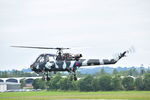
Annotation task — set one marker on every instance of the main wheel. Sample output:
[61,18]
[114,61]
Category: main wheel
[75,78]
[48,78]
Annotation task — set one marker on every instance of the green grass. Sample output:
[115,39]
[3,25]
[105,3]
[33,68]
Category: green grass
[47,95]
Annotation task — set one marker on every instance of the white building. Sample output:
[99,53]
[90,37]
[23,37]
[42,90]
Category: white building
[4,86]
[13,83]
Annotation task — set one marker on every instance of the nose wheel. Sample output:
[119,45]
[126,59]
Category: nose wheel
[48,78]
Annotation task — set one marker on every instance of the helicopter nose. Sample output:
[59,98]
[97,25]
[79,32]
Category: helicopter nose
[32,67]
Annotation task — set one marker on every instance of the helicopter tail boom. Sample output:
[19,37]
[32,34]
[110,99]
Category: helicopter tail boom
[91,62]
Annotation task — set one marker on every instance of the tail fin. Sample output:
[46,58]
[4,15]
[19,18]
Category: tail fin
[124,54]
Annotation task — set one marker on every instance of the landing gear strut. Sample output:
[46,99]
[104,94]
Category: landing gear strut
[46,77]
[73,76]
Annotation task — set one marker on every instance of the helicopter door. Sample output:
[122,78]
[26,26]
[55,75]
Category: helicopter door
[49,62]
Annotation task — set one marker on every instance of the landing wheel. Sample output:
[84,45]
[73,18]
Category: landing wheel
[48,78]
[75,77]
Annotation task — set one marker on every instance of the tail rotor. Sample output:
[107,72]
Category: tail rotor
[125,53]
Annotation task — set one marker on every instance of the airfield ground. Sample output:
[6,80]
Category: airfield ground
[75,95]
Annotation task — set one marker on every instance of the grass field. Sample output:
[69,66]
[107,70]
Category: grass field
[47,95]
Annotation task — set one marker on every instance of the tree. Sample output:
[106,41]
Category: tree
[22,81]
[142,71]
[115,71]
[139,84]
[105,82]
[63,84]
[116,83]
[95,84]
[148,70]
[86,83]
[74,85]
[128,83]
[5,74]
[146,81]
[102,71]
[67,84]
[39,84]
[130,72]
[35,84]
[53,84]
[133,72]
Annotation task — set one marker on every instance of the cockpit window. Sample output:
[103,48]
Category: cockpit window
[49,58]
[45,58]
[40,59]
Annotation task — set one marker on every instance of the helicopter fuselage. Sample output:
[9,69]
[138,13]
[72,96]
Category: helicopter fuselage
[48,63]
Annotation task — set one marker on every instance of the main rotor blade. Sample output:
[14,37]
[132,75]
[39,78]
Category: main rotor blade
[39,47]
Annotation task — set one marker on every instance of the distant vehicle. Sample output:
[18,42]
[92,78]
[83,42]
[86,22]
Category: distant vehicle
[60,61]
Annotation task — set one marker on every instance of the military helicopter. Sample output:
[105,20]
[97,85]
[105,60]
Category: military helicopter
[60,61]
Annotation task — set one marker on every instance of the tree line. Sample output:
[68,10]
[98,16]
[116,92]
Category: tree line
[132,72]
[131,79]
[16,73]
[103,82]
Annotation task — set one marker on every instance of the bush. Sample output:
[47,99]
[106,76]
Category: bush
[146,81]
[86,83]
[105,83]
[128,83]
[39,84]
[139,84]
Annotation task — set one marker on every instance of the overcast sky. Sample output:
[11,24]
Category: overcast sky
[95,28]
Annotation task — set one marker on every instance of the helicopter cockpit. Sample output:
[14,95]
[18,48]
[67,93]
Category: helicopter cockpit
[43,59]
[40,59]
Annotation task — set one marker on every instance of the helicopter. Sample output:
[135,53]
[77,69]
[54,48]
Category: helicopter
[46,63]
